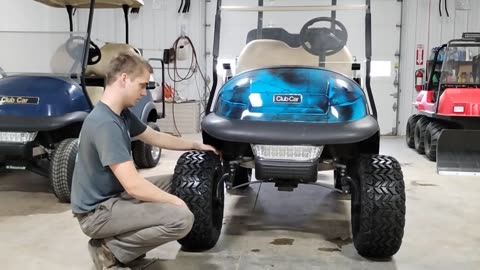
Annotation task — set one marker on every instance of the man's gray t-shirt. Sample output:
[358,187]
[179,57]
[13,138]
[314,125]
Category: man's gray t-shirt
[104,140]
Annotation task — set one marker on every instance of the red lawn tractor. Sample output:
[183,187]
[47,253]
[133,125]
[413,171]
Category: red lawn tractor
[447,126]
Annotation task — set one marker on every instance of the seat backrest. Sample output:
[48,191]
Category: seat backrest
[271,53]
[109,51]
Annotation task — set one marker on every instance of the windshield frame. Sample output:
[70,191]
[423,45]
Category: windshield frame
[261,8]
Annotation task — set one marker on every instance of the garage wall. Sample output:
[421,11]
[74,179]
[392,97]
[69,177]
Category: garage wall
[27,15]
[154,28]
[423,25]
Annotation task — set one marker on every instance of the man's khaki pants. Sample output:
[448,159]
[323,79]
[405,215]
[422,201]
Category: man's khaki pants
[131,228]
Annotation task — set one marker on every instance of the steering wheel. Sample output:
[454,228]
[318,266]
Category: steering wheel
[75,43]
[325,40]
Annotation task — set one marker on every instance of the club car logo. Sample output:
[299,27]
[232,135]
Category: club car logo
[4,100]
[291,99]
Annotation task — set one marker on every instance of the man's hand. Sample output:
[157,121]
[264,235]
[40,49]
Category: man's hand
[205,147]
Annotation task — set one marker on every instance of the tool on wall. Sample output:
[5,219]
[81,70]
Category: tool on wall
[184,6]
[440,7]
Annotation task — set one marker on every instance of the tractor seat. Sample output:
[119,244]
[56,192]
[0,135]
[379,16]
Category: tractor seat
[98,71]
[270,53]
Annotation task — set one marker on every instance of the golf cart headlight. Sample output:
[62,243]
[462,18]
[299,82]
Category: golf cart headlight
[287,152]
[458,108]
[17,137]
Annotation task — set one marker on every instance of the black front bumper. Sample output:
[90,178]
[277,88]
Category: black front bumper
[16,151]
[39,123]
[286,170]
[289,133]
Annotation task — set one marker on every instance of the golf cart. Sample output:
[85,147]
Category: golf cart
[294,106]
[48,89]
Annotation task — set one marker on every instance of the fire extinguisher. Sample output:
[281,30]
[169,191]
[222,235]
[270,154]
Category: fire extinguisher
[419,79]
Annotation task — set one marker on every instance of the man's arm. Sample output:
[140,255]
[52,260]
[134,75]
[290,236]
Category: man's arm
[140,188]
[166,141]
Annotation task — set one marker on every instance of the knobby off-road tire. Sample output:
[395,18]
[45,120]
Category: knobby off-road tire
[61,169]
[378,220]
[143,154]
[419,134]
[195,181]
[410,130]
[432,134]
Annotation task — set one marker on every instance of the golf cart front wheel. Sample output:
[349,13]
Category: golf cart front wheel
[61,169]
[378,206]
[196,181]
[145,155]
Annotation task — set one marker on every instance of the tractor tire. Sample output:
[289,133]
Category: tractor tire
[195,181]
[144,155]
[432,134]
[410,130]
[61,169]
[242,176]
[419,134]
[378,206]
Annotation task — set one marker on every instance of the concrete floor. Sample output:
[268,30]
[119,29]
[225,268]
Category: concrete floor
[305,229]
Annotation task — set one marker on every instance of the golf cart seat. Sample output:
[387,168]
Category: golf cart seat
[98,71]
[268,53]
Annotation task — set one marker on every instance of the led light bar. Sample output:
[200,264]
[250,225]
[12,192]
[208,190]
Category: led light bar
[287,152]
[17,137]
[471,35]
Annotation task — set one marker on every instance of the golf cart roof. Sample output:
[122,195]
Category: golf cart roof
[98,3]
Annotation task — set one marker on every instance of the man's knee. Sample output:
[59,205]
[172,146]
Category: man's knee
[184,223]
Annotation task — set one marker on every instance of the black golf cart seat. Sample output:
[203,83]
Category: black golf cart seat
[277,47]
[96,74]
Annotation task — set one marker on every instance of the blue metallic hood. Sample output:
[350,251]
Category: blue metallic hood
[26,95]
[293,94]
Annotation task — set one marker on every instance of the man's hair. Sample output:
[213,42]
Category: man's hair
[127,62]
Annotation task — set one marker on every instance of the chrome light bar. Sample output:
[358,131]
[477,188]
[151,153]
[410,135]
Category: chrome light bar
[287,152]
[17,137]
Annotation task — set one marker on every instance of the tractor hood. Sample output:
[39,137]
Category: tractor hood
[40,96]
[293,94]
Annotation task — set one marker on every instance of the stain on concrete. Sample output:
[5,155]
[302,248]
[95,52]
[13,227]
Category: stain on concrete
[282,242]
[255,250]
[340,242]
[330,249]
[415,183]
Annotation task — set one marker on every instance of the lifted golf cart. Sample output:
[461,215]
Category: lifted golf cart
[45,98]
[295,106]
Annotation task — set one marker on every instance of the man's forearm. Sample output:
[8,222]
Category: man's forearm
[144,190]
[166,141]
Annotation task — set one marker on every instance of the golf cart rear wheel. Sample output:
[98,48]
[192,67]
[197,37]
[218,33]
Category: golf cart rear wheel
[419,134]
[378,206]
[432,134]
[195,181]
[410,130]
[61,169]
[145,155]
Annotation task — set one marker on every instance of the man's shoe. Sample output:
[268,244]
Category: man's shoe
[101,255]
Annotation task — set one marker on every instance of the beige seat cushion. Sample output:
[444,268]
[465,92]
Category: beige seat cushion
[270,53]
[95,94]
[109,51]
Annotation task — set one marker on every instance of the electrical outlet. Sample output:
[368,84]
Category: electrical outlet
[462,4]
